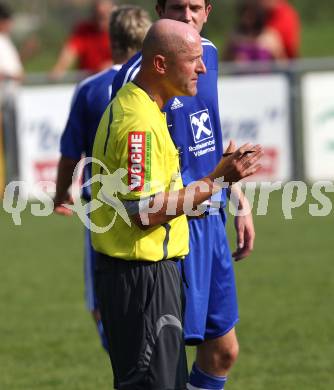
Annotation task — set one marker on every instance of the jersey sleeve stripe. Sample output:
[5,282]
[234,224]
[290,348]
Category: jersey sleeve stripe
[108,130]
[134,74]
[208,44]
[127,77]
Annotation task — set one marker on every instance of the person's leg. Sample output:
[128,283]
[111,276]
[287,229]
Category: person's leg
[214,360]
[90,294]
[217,356]
[141,309]
[99,326]
[218,352]
[197,273]
[10,135]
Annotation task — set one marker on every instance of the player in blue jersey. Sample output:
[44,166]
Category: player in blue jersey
[128,27]
[194,124]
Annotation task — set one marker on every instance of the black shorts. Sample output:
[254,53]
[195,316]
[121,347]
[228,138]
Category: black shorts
[142,306]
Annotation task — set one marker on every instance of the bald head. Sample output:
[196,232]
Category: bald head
[172,61]
[169,38]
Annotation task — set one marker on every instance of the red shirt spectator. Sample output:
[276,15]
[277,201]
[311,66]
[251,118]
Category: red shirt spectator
[92,46]
[88,46]
[283,18]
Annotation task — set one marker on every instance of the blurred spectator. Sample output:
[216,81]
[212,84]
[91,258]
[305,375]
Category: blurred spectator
[252,41]
[11,72]
[10,63]
[284,19]
[88,46]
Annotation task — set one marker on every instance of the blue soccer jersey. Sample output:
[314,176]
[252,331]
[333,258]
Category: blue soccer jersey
[89,102]
[194,124]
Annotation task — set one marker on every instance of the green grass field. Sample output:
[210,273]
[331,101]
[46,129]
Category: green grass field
[286,292]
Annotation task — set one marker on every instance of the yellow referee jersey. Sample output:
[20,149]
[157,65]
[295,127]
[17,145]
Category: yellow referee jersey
[133,141]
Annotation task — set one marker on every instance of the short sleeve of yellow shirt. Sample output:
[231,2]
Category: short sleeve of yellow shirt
[133,136]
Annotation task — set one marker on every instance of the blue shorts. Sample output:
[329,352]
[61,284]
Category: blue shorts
[211,297]
[89,269]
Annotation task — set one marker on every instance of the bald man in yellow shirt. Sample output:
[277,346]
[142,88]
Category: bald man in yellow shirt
[139,287]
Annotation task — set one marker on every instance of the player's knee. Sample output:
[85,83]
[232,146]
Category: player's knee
[232,353]
[227,355]
[217,356]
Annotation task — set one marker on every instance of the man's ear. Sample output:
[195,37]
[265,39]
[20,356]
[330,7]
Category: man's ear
[159,10]
[207,11]
[160,65]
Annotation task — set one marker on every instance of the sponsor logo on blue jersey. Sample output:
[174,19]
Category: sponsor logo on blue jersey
[201,126]
[176,104]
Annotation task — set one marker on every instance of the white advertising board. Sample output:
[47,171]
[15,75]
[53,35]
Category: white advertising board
[256,109]
[253,109]
[318,124]
[42,115]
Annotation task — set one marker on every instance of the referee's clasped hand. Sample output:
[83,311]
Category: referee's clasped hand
[238,163]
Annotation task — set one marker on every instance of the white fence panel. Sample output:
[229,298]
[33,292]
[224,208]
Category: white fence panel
[257,109]
[42,115]
[318,125]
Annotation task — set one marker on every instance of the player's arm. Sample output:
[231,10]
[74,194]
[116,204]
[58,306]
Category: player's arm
[66,167]
[232,169]
[244,225]
[71,149]
[66,59]
[243,221]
